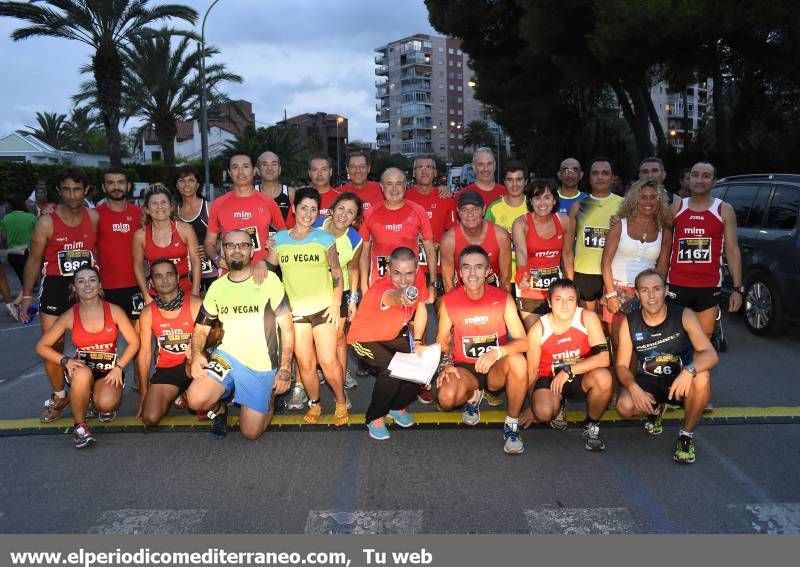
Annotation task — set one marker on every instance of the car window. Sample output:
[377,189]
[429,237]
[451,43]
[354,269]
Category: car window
[741,198]
[784,207]
[718,192]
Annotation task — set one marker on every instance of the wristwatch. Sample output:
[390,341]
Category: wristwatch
[568,369]
[611,295]
[690,368]
[740,289]
[63,361]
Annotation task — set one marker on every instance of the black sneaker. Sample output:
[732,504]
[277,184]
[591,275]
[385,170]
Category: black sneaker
[591,436]
[684,450]
[83,437]
[219,425]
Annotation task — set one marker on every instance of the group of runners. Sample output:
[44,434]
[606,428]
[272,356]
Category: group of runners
[530,287]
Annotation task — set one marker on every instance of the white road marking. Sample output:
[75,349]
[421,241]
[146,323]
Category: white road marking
[18,327]
[773,517]
[580,521]
[398,522]
[130,521]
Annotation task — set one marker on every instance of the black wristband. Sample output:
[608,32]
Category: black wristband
[63,361]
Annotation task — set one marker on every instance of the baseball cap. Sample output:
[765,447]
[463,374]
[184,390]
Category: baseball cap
[470,197]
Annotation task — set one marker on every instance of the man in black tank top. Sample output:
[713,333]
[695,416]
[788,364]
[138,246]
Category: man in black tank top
[673,359]
[269,171]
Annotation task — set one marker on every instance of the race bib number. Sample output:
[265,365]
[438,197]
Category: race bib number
[70,261]
[474,347]
[206,266]
[557,365]
[218,368]
[594,236]
[137,303]
[542,278]
[694,251]
[668,365]
[177,343]
[254,238]
[423,256]
[98,361]
[382,265]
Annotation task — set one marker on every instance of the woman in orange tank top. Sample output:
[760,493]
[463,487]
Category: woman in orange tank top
[96,371]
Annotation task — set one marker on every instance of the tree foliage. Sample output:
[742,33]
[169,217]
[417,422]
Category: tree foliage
[558,73]
[107,26]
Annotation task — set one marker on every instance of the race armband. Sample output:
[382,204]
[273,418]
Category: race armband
[205,318]
[597,349]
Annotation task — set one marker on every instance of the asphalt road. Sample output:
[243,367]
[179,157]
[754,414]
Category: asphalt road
[435,478]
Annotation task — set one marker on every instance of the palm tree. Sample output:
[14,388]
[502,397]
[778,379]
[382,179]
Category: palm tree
[104,25]
[477,134]
[51,129]
[161,86]
[81,127]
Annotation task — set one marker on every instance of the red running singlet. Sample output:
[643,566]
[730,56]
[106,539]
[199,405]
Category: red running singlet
[478,325]
[173,335]
[98,350]
[70,247]
[176,251]
[569,347]
[698,239]
[544,258]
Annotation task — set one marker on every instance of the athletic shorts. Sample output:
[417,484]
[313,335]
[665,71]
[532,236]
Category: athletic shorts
[96,375]
[128,298]
[314,319]
[658,386]
[172,375]
[536,306]
[570,390]
[54,295]
[590,286]
[250,388]
[483,379]
[695,298]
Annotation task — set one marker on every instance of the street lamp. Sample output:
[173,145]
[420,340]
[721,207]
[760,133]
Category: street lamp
[203,109]
[339,120]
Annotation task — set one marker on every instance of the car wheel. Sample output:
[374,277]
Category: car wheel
[763,313]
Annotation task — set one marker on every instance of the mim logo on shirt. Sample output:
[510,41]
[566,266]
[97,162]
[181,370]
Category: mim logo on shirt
[696,231]
[477,320]
[244,215]
[120,227]
[394,227]
[73,246]
[547,254]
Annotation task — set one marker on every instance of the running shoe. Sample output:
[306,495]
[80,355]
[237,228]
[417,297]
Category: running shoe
[299,398]
[472,411]
[559,422]
[181,402]
[684,450]
[513,445]
[91,411]
[652,423]
[494,399]
[83,437]
[219,425]
[13,311]
[349,381]
[106,416]
[347,399]
[53,408]
[377,430]
[592,439]
[402,418]
[425,395]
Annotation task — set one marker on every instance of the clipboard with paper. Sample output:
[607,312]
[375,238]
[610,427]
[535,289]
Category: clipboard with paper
[416,368]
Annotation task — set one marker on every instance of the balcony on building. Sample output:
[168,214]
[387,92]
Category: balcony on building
[382,70]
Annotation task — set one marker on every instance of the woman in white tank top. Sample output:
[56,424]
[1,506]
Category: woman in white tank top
[639,241]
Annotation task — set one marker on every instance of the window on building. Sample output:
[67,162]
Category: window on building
[459,76]
[460,112]
[784,208]
[450,87]
[458,63]
[458,52]
[460,99]
[450,63]
[459,88]
[441,50]
[450,50]
[452,111]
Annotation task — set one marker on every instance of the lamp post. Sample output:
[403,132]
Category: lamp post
[339,120]
[203,108]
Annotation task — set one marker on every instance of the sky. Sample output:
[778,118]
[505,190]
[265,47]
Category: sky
[294,55]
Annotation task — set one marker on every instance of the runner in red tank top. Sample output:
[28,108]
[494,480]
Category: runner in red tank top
[567,355]
[392,224]
[538,239]
[96,371]
[477,357]
[170,319]
[484,164]
[704,228]
[163,237]
[67,235]
[370,193]
[473,229]
[119,220]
